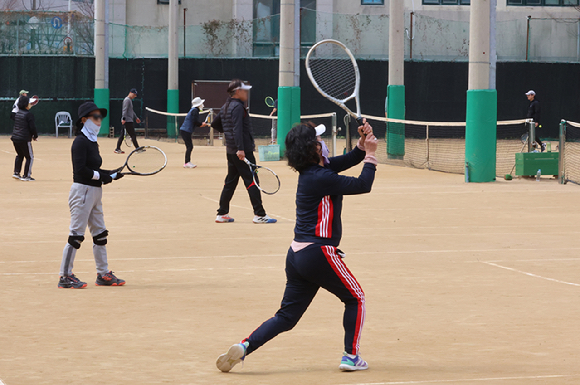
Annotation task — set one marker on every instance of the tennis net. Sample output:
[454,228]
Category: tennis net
[265,127]
[440,146]
[570,147]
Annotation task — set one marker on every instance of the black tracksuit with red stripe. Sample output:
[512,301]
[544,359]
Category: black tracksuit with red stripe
[318,222]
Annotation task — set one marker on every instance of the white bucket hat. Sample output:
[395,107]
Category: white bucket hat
[320,129]
[197,102]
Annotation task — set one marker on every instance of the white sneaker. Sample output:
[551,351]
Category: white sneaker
[234,356]
[189,165]
[224,219]
[264,219]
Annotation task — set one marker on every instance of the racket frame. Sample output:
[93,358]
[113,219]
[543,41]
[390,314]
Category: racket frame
[271,105]
[131,172]
[36,101]
[253,168]
[340,102]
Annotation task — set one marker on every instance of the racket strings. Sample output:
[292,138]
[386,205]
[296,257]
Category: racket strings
[333,71]
[267,180]
[146,160]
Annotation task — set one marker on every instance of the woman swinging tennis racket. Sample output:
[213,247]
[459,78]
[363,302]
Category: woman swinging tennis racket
[313,260]
[85,203]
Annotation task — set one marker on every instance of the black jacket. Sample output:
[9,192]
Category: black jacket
[534,111]
[24,127]
[237,128]
[86,159]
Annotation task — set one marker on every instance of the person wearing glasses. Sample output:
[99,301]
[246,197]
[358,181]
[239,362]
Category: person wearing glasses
[84,200]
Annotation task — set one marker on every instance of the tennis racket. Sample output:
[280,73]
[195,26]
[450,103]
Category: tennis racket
[128,140]
[333,71]
[266,179]
[144,161]
[270,102]
[34,100]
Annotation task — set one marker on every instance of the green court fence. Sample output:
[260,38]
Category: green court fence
[428,38]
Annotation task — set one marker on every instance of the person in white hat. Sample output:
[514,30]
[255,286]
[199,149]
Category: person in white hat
[189,124]
[534,112]
[15,108]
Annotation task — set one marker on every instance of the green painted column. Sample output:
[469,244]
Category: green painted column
[396,131]
[288,113]
[481,135]
[173,107]
[101,97]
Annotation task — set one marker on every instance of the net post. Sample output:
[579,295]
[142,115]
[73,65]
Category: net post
[427,143]
[146,124]
[531,135]
[211,133]
[561,155]
[334,133]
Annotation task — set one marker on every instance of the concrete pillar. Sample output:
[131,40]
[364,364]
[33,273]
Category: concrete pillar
[101,92]
[395,106]
[173,68]
[481,118]
[289,76]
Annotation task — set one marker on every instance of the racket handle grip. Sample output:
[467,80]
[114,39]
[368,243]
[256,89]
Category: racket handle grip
[359,120]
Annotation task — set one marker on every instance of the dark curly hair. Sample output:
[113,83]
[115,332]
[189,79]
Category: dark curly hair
[23,102]
[302,147]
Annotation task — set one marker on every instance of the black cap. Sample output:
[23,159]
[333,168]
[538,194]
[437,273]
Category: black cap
[86,108]
[134,90]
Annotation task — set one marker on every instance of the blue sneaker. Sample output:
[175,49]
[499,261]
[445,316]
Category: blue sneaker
[235,355]
[264,219]
[348,364]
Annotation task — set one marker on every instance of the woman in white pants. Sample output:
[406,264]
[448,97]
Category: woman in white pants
[84,200]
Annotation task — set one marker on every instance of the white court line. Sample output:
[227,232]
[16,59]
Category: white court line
[531,274]
[413,235]
[535,260]
[468,380]
[160,270]
[11,153]
[247,208]
[283,253]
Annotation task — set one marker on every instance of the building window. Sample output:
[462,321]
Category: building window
[165,1]
[372,2]
[544,3]
[267,26]
[447,2]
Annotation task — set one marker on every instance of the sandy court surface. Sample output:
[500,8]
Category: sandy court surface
[465,284]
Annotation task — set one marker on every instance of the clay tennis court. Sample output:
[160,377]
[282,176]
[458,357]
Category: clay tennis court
[465,283]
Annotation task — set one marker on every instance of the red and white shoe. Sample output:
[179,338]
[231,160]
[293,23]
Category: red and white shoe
[224,219]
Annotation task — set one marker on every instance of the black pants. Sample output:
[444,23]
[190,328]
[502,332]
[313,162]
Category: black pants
[23,151]
[188,144]
[238,168]
[308,270]
[129,129]
[538,136]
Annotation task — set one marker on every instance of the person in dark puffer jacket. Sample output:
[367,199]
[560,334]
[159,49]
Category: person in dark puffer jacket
[22,136]
[235,121]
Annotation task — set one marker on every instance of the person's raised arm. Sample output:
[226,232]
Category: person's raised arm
[347,185]
[354,157]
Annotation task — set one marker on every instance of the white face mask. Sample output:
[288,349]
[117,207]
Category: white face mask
[91,130]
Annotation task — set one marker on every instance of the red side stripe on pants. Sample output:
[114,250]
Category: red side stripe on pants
[353,287]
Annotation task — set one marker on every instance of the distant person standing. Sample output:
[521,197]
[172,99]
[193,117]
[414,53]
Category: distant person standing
[129,117]
[274,122]
[239,146]
[535,113]
[190,122]
[22,136]
[15,108]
